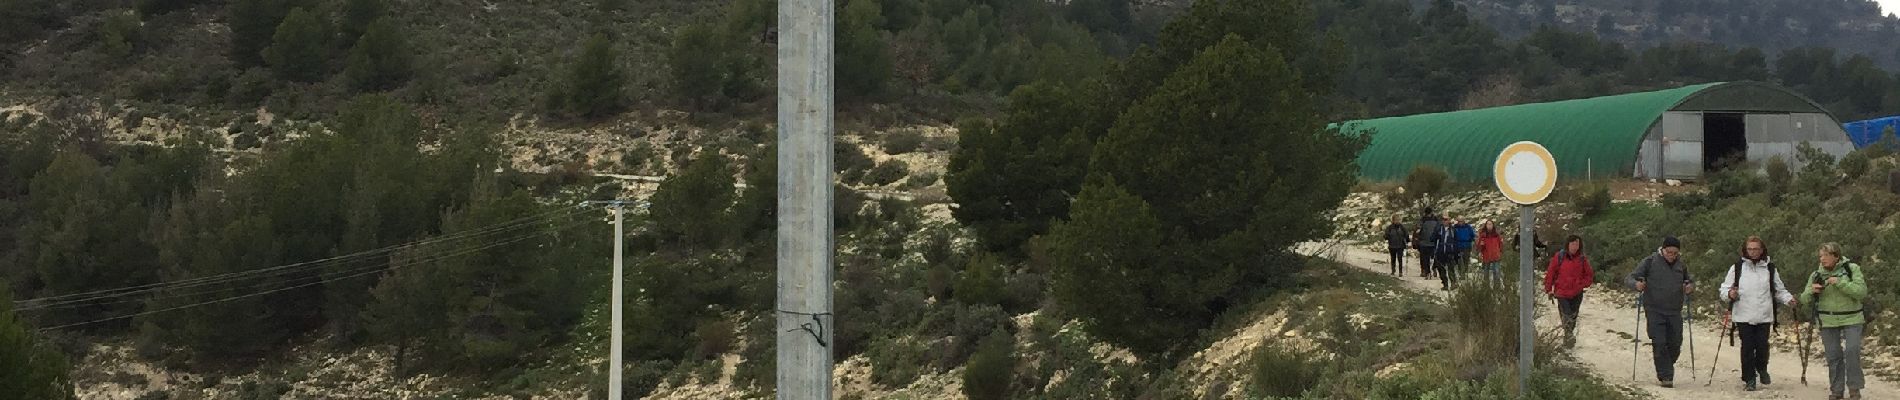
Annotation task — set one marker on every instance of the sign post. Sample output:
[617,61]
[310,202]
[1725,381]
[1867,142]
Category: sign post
[1526,173]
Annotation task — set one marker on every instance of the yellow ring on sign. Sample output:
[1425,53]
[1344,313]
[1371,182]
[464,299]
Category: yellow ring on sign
[1516,193]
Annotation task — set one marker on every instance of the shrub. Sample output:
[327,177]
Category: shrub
[896,361]
[886,173]
[1780,178]
[982,281]
[715,338]
[1591,200]
[1818,174]
[1855,164]
[1425,180]
[902,141]
[1278,372]
[987,375]
[921,180]
[119,33]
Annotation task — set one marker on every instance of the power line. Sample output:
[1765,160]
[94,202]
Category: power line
[75,303]
[52,301]
[356,275]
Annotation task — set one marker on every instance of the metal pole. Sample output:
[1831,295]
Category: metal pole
[805,242]
[613,369]
[1526,335]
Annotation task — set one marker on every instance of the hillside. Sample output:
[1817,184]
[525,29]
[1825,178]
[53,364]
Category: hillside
[1852,26]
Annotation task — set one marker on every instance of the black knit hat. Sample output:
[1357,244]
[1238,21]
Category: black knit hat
[1670,241]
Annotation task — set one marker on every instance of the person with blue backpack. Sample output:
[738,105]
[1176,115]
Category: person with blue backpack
[1465,235]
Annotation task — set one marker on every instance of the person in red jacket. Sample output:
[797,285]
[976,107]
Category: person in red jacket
[1491,252]
[1569,274]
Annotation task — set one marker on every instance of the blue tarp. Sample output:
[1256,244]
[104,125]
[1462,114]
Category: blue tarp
[1866,132]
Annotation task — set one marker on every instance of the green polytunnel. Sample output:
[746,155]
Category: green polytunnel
[1668,134]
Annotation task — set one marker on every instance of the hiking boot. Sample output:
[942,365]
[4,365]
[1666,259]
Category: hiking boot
[1668,384]
[1834,396]
[1750,386]
[1765,379]
[1853,394]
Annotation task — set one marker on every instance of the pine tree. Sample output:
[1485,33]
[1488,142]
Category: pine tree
[593,85]
[253,24]
[357,18]
[210,234]
[863,62]
[297,51]
[381,59]
[691,208]
[84,235]
[1258,140]
[34,369]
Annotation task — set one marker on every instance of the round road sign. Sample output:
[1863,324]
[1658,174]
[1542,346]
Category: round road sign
[1525,172]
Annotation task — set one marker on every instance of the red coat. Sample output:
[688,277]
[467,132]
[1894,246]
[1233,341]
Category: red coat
[1490,247]
[1568,275]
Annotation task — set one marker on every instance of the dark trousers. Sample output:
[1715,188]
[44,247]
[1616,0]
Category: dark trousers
[1568,309]
[1425,261]
[1398,261]
[1665,338]
[1754,350]
[1447,269]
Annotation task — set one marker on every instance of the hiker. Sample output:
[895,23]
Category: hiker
[1537,244]
[1426,239]
[1395,241]
[1465,234]
[1662,304]
[1835,291]
[1490,247]
[1447,253]
[1569,275]
[1752,289]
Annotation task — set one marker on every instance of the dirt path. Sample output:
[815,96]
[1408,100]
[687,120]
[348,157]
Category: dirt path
[1603,344]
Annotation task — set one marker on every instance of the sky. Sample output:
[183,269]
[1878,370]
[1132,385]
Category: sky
[1888,6]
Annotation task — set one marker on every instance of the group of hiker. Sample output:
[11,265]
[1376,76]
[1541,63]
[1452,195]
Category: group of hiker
[1445,247]
[1752,289]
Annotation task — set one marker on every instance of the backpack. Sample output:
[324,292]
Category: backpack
[1868,308]
[1774,309]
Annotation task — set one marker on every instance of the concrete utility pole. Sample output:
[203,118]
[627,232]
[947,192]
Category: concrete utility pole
[805,243]
[613,346]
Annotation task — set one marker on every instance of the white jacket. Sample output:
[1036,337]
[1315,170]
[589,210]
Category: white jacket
[1753,307]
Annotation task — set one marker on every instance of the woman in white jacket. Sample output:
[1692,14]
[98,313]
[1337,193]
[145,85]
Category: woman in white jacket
[1752,289]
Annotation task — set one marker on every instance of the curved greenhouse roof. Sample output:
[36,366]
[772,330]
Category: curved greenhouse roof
[1604,133]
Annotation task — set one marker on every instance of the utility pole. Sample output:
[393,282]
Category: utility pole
[613,346]
[613,375]
[805,242]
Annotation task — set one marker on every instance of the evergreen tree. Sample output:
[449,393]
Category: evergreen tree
[593,85]
[1196,198]
[381,59]
[297,51]
[34,369]
[82,235]
[253,25]
[864,62]
[357,18]
[691,208]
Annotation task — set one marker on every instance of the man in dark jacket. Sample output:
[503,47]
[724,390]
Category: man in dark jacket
[1427,241]
[1395,241]
[1664,283]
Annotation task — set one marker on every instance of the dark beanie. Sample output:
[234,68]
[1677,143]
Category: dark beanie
[1670,241]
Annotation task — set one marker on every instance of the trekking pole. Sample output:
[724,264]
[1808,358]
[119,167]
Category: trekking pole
[1688,328]
[1728,326]
[1637,341]
[1814,318]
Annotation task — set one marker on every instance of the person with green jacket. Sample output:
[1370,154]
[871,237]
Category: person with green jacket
[1836,290]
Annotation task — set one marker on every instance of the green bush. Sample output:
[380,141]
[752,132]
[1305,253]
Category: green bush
[902,141]
[987,375]
[715,338]
[922,180]
[1818,175]
[1591,200]
[1780,178]
[297,50]
[381,59]
[1856,163]
[982,281]
[1737,181]
[886,173]
[896,361]
[1425,180]
[119,33]
[850,161]
[1279,372]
